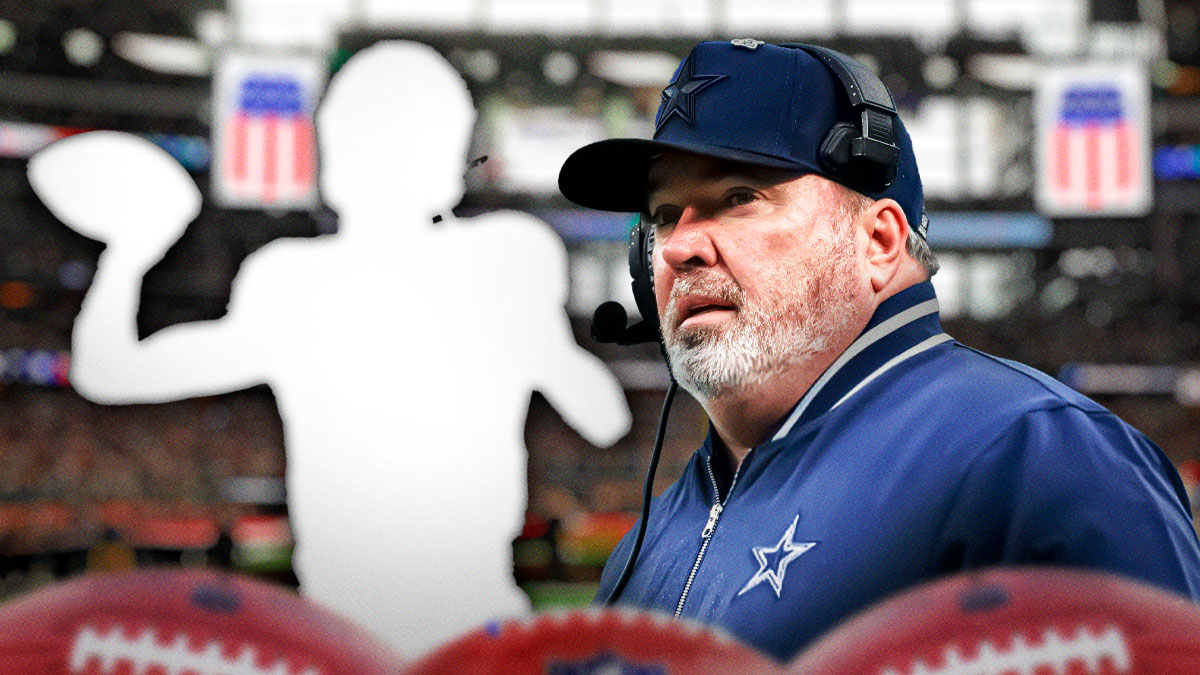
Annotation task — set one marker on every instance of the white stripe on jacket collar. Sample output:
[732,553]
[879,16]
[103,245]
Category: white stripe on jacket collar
[885,328]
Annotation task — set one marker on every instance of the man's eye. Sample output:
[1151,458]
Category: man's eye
[740,198]
[664,215]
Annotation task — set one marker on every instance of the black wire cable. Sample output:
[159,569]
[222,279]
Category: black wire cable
[647,493]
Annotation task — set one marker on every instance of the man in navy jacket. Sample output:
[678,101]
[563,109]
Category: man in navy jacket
[855,449]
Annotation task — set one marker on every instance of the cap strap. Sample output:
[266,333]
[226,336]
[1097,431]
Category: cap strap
[869,95]
[862,85]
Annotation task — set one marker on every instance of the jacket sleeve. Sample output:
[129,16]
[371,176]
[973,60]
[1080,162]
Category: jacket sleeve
[1079,488]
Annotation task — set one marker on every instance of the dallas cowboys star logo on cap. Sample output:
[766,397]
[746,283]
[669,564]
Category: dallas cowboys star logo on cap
[773,560]
[679,98]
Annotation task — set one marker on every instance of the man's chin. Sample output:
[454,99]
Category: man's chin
[711,369]
[703,368]
[694,337]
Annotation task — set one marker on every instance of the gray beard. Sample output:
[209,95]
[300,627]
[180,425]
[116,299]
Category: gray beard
[767,337]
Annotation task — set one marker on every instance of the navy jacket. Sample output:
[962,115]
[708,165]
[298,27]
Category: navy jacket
[910,458]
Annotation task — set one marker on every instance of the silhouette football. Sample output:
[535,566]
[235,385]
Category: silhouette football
[116,188]
[177,621]
[1023,620]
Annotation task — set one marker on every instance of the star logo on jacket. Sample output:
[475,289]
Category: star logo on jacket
[773,560]
[679,98]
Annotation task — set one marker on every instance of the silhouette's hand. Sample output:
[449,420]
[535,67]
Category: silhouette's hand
[117,188]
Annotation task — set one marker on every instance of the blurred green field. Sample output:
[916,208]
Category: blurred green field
[548,595]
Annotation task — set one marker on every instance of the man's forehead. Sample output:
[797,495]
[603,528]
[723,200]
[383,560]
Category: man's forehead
[675,168]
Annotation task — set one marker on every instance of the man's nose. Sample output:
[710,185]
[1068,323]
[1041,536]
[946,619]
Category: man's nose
[688,244]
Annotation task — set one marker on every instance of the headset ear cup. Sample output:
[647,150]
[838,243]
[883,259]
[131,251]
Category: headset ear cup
[641,247]
[835,149]
[838,157]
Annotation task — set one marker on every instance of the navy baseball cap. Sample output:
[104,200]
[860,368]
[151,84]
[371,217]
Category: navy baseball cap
[746,101]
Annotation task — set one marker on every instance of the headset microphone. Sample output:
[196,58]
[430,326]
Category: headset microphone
[608,322]
[609,326]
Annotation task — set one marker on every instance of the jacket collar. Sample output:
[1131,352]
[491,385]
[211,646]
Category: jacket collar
[903,326]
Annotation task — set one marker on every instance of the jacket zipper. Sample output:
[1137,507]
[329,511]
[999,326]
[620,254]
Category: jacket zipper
[706,534]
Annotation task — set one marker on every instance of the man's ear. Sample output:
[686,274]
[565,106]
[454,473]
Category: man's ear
[887,237]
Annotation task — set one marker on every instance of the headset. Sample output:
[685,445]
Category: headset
[861,154]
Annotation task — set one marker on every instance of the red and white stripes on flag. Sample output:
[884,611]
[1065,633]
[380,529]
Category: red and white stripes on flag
[270,148]
[1093,147]
[1094,159]
[265,145]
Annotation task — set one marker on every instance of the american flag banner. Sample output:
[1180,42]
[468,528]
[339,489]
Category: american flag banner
[1093,142]
[264,146]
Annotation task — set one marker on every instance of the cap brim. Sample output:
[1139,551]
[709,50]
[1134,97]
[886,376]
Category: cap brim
[611,175]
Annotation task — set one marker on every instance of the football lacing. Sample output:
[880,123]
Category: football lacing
[1054,650]
[146,650]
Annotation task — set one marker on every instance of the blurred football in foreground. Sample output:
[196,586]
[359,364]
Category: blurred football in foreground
[171,621]
[1025,620]
[591,642]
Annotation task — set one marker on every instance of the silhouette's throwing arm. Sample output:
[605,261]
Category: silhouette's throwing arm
[126,192]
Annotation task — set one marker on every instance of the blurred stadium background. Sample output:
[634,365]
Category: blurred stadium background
[1105,297]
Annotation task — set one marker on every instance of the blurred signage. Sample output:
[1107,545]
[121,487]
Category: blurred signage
[1093,140]
[22,139]
[39,367]
[988,230]
[530,144]
[579,225]
[1116,379]
[265,146]
[193,152]
[1177,162]
[947,229]
[1119,378]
